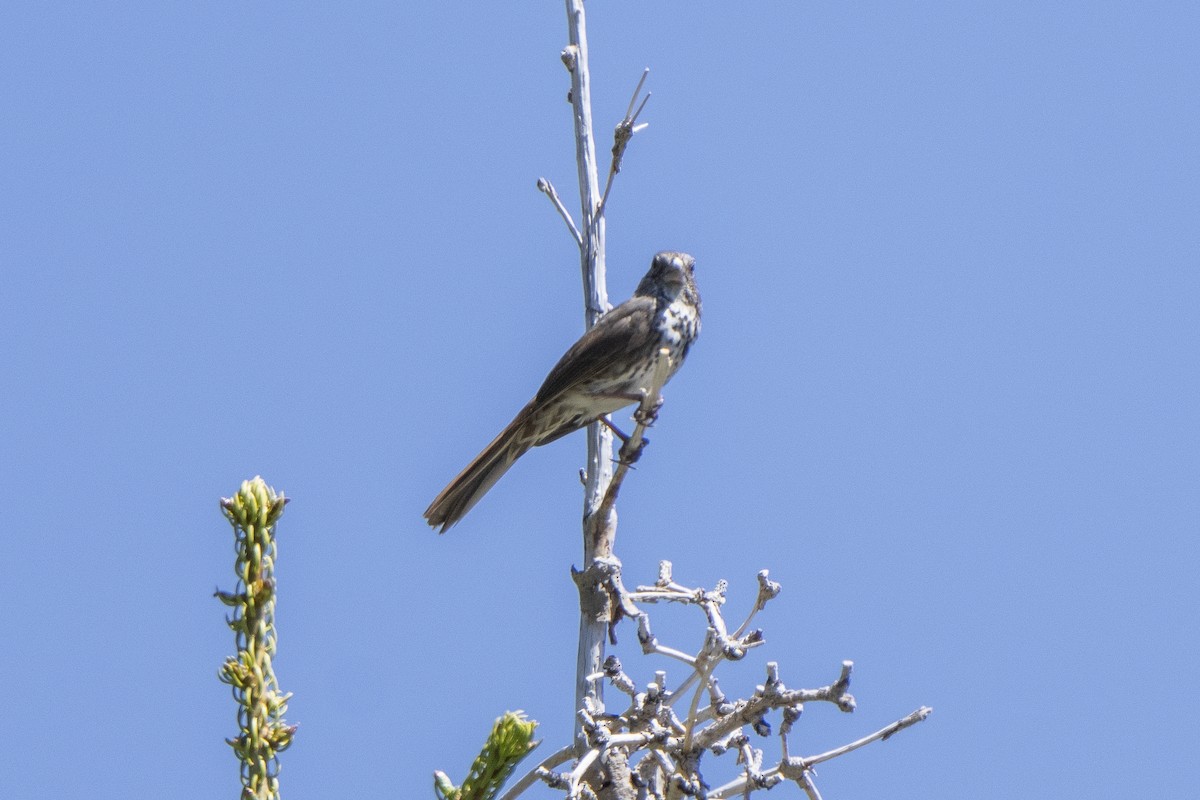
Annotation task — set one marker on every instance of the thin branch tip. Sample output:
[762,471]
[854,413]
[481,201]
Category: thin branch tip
[547,188]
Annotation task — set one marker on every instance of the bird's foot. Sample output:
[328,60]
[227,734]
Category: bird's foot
[647,416]
[628,455]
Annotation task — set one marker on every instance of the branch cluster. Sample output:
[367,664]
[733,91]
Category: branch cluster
[659,742]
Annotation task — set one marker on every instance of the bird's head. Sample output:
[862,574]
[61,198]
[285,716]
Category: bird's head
[670,274]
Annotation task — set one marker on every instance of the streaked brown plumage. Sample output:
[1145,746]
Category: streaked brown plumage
[604,371]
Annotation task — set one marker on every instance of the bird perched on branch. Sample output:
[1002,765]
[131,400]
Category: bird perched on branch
[607,369]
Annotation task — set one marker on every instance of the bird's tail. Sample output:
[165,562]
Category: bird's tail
[462,493]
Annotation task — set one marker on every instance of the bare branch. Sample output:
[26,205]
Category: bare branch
[599,532]
[799,769]
[630,114]
[919,715]
[529,778]
[623,132]
[547,188]
[810,788]
[631,450]
[767,590]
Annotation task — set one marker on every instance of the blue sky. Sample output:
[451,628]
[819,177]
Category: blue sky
[946,391]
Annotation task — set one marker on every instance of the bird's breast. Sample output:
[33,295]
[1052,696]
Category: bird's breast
[678,326]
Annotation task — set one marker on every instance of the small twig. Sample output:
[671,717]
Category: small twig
[919,715]
[630,114]
[585,762]
[624,131]
[547,188]
[651,399]
[711,602]
[616,676]
[529,778]
[767,590]
[746,712]
[706,662]
[790,715]
[806,783]
[669,652]
[649,642]
[632,740]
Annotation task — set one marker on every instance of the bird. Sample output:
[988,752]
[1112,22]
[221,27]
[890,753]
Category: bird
[608,368]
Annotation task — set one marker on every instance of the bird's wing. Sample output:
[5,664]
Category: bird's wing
[616,337]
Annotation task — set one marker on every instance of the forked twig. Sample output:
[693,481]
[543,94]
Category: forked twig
[799,769]
[624,131]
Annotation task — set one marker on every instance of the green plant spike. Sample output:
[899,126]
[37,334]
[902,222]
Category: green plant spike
[510,741]
[262,732]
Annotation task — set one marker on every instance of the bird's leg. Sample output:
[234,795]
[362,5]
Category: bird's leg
[625,455]
[624,437]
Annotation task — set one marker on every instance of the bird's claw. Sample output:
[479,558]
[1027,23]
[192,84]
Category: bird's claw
[647,416]
[628,455]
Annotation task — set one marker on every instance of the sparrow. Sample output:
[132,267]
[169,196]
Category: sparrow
[610,367]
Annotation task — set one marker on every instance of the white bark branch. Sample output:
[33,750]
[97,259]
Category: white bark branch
[529,778]
[919,715]
[624,131]
[598,533]
[799,769]
[547,188]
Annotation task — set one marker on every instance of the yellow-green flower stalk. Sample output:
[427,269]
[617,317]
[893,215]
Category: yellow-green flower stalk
[510,741]
[263,734]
